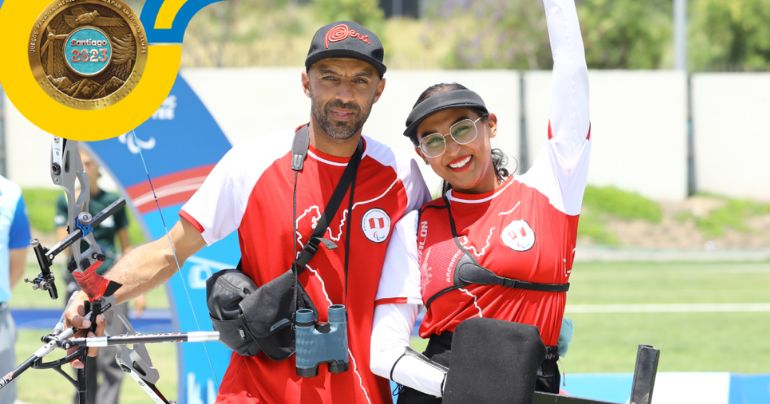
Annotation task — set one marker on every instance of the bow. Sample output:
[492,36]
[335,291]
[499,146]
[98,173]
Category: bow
[67,171]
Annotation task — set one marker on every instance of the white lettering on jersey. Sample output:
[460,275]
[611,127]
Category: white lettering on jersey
[376,225]
[422,236]
[518,235]
[426,271]
[449,272]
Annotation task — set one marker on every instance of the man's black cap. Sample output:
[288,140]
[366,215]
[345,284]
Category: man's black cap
[346,39]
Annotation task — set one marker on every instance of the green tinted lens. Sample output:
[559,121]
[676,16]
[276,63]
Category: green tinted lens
[463,132]
[433,144]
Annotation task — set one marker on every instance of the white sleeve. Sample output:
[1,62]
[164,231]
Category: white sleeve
[569,91]
[217,207]
[416,189]
[561,169]
[391,356]
[407,170]
[400,279]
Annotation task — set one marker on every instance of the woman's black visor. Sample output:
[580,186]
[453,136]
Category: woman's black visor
[438,102]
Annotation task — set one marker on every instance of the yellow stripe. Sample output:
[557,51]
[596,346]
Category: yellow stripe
[168,11]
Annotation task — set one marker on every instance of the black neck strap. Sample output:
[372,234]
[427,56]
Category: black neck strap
[348,179]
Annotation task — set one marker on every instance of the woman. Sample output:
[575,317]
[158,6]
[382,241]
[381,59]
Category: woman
[518,227]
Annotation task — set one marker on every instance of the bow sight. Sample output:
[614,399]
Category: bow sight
[85,222]
[67,171]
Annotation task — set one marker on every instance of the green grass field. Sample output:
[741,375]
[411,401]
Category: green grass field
[707,341]
[603,342]
[57,390]
[164,356]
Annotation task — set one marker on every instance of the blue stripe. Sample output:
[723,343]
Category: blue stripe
[749,389]
[191,139]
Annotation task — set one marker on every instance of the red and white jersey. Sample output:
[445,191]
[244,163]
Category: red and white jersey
[252,192]
[525,229]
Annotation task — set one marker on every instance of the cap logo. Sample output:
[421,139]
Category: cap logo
[341,32]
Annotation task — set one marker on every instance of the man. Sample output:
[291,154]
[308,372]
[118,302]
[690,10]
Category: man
[106,233]
[14,240]
[253,192]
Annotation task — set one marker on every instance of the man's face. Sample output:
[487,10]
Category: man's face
[89,165]
[91,168]
[342,92]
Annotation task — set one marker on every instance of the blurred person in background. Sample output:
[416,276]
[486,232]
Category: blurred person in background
[523,228]
[14,240]
[112,237]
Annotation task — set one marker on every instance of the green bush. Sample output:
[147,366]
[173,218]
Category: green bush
[731,215]
[364,12]
[621,204]
[41,207]
[593,226]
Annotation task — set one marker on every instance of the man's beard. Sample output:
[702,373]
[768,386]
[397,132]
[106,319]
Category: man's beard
[339,130]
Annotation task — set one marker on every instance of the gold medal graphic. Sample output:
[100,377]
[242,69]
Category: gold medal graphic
[87,54]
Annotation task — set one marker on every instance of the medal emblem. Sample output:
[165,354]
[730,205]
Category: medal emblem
[87,54]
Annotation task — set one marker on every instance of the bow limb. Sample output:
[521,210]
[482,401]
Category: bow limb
[67,171]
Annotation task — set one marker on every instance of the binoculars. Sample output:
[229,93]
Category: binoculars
[318,343]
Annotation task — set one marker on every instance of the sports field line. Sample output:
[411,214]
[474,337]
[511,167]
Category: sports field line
[670,308]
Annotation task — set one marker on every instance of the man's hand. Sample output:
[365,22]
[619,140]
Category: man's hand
[75,316]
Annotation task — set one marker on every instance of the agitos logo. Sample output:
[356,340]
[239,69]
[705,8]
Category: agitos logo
[341,32]
[91,69]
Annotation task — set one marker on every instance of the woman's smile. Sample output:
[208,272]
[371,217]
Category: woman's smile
[461,164]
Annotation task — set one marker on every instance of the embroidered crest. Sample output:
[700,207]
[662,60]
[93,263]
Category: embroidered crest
[376,225]
[518,235]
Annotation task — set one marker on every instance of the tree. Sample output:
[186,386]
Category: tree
[730,35]
[364,12]
[626,34]
[495,34]
[619,34]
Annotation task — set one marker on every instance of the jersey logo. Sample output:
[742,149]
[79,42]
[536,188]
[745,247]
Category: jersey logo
[518,235]
[376,225]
